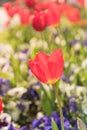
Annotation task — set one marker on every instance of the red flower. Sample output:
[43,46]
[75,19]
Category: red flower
[39,21]
[24,16]
[30,3]
[7,5]
[81,2]
[1,107]
[73,15]
[11,10]
[52,17]
[47,69]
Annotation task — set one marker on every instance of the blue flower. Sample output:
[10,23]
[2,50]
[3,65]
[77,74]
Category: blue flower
[4,86]
[72,104]
[45,123]
[24,128]
[11,127]
[21,106]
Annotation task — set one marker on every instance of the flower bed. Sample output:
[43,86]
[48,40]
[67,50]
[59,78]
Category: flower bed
[43,65]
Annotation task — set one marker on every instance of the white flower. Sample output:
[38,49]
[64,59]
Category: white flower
[5,50]
[15,20]
[18,91]
[3,18]
[84,63]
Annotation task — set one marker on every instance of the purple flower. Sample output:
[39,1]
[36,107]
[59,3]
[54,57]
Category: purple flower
[24,128]
[64,78]
[4,86]
[31,93]
[72,104]
[73,42]
[3,122]
[25,50]
[85,43]
[45,123]
[11,127]
[21,106]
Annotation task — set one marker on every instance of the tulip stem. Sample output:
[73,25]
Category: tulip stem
[46,94]
[59,106]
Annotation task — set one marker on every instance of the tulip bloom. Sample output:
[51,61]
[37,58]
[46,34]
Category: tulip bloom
[48,69]
[24,16]
[73,15]
[82,2]
[30,3]
[39,21]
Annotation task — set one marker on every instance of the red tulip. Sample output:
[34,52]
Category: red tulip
[24,16]
[52,17]
[81,2]
[1,107]
[39,21]
[30,3]
[73,15]
[51,12]
[48,69]
[7,5]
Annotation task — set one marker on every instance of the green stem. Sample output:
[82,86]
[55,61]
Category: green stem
[59,106]
[50,103]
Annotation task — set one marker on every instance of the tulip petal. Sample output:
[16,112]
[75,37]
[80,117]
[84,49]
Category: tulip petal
[42,60]
[36,70]
[55,64]
[55,55]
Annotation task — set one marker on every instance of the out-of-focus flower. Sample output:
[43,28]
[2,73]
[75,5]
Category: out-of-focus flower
[18,91]
[30,3]
[72,14]
[82,2]
[47,69]
[52,16]
[39,21]
[51,11]
[60,1]
[11,10]
[24,16]
[85,43]
[72,104]
[11,127]
[4,86]
[44,123]
[21,106]
[24,128]
[73,42]
[7,5]
[5,120]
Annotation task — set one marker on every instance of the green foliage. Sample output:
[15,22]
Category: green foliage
[54,125]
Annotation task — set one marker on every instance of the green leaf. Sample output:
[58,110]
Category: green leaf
[81,124]
[46,105]
[54,125]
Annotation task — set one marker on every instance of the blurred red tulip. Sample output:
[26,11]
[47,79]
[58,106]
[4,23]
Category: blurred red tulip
[39,21]
[81,2]
[51,13]
[24,16]
[30,3]
[73,14]
[7,5]
[1,107]
[48,69]
[11,10]
[52,17]
[60,1]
